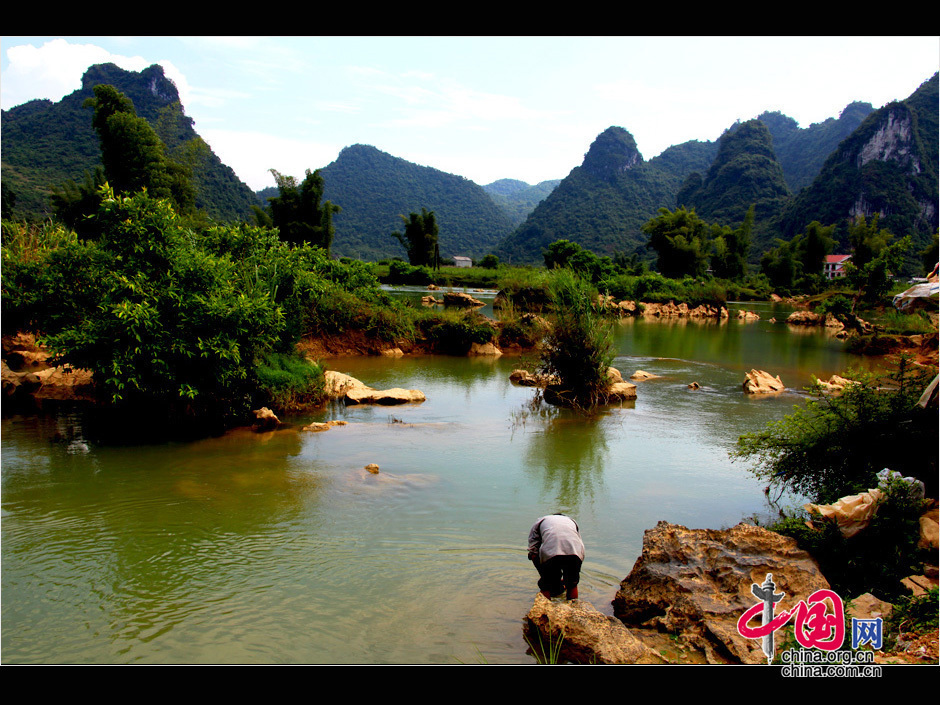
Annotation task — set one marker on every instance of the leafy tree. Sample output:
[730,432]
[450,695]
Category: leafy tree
[798,264]
[872,281]
[815,244]
[681,241]
[730,249]
[133,155]
[420,239]
[780,265]
[297,213]
[867,240]
[559,253]
[489,261]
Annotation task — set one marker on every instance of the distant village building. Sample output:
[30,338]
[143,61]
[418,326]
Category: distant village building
[463,262]
[833,266]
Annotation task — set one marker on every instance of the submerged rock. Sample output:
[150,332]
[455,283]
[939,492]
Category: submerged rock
[640,375]
[696,583]
[524,378]
[586,635]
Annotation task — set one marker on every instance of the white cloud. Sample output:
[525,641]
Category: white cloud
[55,69]
[252,154]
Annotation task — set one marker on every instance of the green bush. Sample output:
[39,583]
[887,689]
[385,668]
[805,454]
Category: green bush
[577,350]
[453,332]
[835,444]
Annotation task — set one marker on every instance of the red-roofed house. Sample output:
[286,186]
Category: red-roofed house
[833,266]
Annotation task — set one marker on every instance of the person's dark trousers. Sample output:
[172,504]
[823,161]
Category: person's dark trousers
[559,573]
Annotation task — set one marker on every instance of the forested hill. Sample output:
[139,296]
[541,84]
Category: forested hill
[802,151]
[602,204]
[886,166]
[517,198]
[374,188]
[46,143]
[745,173]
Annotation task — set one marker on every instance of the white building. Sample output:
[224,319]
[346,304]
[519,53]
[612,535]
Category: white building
[833,266]
[463,262]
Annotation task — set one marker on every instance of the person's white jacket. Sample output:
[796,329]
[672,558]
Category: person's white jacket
[555,535]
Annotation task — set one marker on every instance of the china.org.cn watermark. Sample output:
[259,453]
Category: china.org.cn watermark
[819,627]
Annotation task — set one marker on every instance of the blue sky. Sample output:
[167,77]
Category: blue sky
[485,108]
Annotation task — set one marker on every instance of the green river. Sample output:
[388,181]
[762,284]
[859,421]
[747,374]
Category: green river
[281,548]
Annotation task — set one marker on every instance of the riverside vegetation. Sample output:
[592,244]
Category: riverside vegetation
[191,320]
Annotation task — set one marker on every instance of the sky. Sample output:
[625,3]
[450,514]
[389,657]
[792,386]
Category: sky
[487,107]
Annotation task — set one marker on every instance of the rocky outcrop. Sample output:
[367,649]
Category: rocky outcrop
[26,373]
[682,310]
[524,378]
[265,419]
[835,384]
[585,635]
[809,318]
[317,427]
[760,382]
[748,316]
[459,299]
[352,391]
[696,583]
[484,349]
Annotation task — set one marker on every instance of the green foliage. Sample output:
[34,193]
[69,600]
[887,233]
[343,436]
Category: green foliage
[289,381]
[489,261]
[547,654]
[837,305]
[835,444]
[73,203]
[802,151]
[452,332]
[403,273]
[133,155]
[878,258]
[181,324]
[49,276]
[297,213]
[731,248]
[681,241]
[798,264]
[577,350]
[420,239]
[915,613]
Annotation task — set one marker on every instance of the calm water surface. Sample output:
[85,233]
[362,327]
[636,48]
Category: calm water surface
[281,548]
